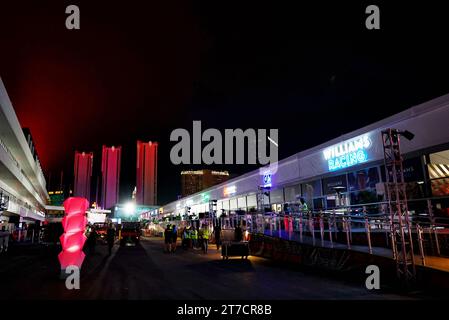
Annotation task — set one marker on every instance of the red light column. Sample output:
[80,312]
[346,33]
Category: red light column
[83,174]
[73,238]
[110,168]
[146,173]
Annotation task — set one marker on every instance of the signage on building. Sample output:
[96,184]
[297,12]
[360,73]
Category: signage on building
[230,190]
[267,180]
[56,197]
[348,153]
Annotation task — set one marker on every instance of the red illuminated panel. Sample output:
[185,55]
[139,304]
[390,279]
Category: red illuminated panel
[75,205]
[72,242]
[74,223]
[71,259]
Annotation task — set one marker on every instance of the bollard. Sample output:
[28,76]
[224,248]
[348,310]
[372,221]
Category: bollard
[345,227]
[368,234]
[437,243]
[279,226]
[290,227]
[349,228]
[300,228]
[322,229]
[312,229]
[420,242]
[334,218]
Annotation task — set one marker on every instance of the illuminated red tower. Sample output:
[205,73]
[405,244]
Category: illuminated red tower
[110,169]
[83,174]
[146,179]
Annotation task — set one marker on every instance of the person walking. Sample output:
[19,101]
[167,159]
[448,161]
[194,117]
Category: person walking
[183,237]
[168,238]
[110,237]
[194,236]
[175,238]
[303,205]
[92,240]
[2,235]
[217,235]
[189,237]
[5,239]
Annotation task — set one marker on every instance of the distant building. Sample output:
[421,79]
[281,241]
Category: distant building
[193,181]
[56,198]
[82,174]
[110,170]
[146,173]
[133,194]
[23,189]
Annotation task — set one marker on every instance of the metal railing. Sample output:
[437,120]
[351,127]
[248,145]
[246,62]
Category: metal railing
[364,227]
[3,145]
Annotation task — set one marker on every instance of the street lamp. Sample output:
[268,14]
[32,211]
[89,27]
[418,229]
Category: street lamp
[405,133]
[130,208]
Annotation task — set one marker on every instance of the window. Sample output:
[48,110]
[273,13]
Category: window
[311,190]
[334,185]
[241,203]
[439,173]
[292,193]
[251,201]
[363,179]
[413,177]
[233,204]
[362,186]
[277,196]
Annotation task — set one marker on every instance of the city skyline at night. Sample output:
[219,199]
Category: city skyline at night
[223,160]
[252,73]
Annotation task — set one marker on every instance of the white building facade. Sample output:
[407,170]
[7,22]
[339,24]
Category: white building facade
[345,171]
[23,192]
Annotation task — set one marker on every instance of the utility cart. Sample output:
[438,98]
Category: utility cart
[235,249]
[232,248]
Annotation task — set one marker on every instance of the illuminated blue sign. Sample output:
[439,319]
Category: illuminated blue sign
[348,153]
[267,180]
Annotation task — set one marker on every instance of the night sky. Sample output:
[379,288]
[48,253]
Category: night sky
[139,69]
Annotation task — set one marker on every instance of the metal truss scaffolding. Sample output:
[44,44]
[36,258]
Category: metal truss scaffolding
[401,231]
[261,194]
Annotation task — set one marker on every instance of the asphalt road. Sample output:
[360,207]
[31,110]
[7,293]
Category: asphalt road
[145,272]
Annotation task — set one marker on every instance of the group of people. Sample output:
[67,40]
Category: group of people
[196,239]
[4,239]
[191,237]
